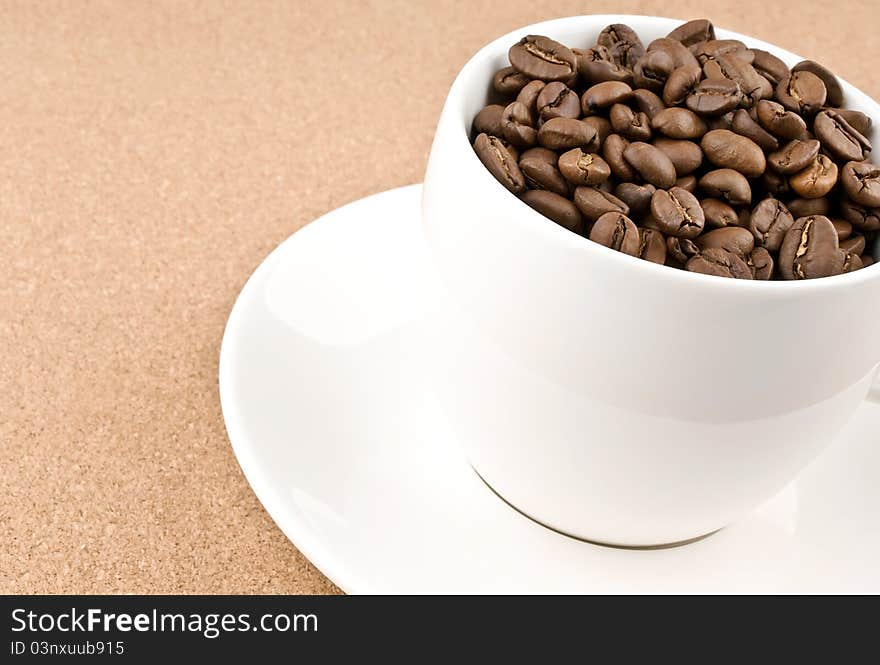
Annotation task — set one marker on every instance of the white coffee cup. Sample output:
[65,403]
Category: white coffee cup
[611,398]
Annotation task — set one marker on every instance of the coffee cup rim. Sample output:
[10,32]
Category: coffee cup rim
[461,87]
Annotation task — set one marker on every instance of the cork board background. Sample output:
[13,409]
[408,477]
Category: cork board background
[151,155]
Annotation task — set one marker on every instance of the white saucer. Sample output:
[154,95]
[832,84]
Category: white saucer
[330,412]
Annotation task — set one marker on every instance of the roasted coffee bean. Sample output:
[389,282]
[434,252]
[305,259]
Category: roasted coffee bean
[648,102]
[687,182]
[753,87]
[652,70]
[593,203]
[528,96]
[854,244]
[539,167]
[839,137]
[718,214]
[677,212]
[769,66]
[851,262]
[622,43]
[712,49]
[679,123]
[726,149]
[794,156]
[728,185]
[542,58]
[556,207]
[679,53]
[629,124]
[802,92]
[693,32]
[834,90]
[801,207]
[719,262]
[844,228]
[760,263]
[864,219]
[744,125]
[583,168]
[861,182]
[769,222]
[816,180]
[612,151]
[775,184]
[603,131]
[500,163]
[724,121]
[596,65]
[681,84]
[651,164]
[488,120]
[681,250]
[556,100]
[867,260]
[605,94]
[637,197]
[652,246]
[780,122]
[686,156]
[857,120]
[618,232]
[733,238]
[565,133]
[810,249]
[714,97]
[509,81]
[517,126]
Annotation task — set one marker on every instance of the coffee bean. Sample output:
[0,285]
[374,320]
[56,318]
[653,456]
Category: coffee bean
[651,164]
[612,151]
[681,84]
[775,184]
[629,124]
[867,260]
[693,32]
[760,263]
[718,214]
[802,92]
[596,65]
[728,185]
[726,149]
[794,156]
[500,163]
[652,246]
[528,96]
[769,66]
[637,197]
[488,120]
[753,87]
[602,128]
[565,133]
[686,156]
[833,88]
[677,212]
[679,53]
[556,100]
[744,125]
[817,179]
[864,219]
[652,70]
[517,126]
[687,182]
[801,207]
[542,58]
[839,137]
[680,250]
[679,123]
[734,239]
[605,94]
[719,262]
[713,49]
[622,43]
[648,102]
[844,228]
[851,262]
[780,122]
[593,203]
[539,167]
[618,232]
[582,168]
[857,120]
[509,81]
[810,249]
[769,222]
[724,121]
[861,182]
[556,207]
[854,244]
[714,97]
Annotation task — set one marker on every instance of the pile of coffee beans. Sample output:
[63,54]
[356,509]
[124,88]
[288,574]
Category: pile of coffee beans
[695,152]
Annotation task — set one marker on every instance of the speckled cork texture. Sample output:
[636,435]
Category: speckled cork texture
[151,155]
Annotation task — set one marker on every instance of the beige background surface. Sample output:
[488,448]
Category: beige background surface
[151,154]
